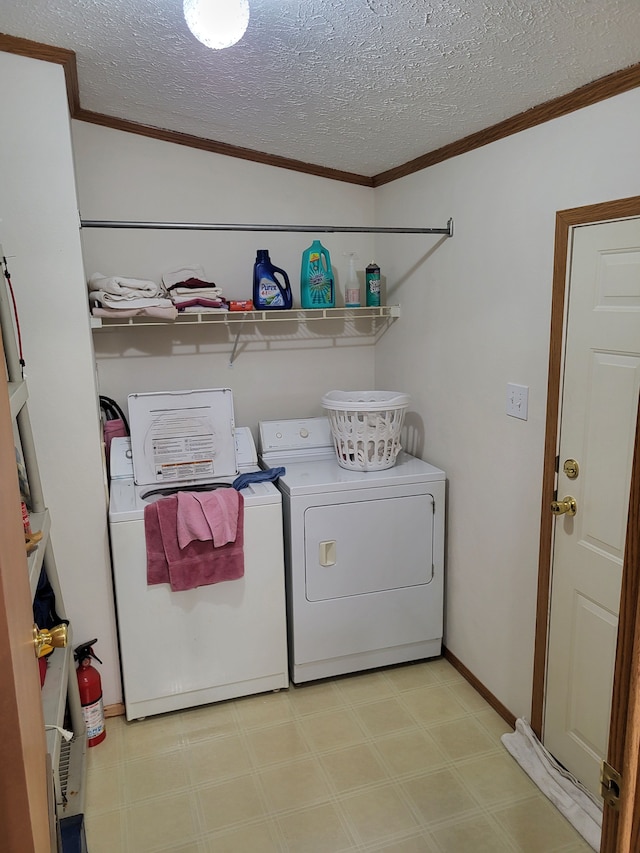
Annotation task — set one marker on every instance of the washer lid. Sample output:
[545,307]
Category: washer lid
[182,435]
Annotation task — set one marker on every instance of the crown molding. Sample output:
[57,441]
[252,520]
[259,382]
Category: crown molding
[225,148]
[591,93]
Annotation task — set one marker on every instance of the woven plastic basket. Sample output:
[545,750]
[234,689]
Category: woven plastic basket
[366,427]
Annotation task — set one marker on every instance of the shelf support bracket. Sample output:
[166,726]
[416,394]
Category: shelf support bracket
[232,357]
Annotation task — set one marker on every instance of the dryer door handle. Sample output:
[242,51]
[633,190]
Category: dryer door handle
[327,555]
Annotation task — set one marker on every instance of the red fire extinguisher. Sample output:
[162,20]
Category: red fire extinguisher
[90,687]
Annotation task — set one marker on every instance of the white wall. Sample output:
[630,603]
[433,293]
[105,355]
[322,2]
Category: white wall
[39,234]
[476,315]
[281,370]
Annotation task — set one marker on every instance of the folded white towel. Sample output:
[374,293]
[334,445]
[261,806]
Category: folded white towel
[192,292]
[160,312]
[172,277]
[118,285]
[134,299]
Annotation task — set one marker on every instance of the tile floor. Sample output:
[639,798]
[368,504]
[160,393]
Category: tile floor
[404,759]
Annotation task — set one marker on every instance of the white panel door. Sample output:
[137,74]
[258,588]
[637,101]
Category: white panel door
[598,418]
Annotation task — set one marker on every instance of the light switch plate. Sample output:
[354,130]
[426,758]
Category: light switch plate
[517,401]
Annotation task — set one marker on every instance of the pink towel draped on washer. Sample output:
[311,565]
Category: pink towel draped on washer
[200,562]
[208,515]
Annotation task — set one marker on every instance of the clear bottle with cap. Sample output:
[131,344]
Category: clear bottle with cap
[352,285]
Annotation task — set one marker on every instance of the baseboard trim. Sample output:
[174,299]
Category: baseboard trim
[486,694]
[117,709]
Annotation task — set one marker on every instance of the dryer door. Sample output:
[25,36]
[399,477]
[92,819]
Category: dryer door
[368,546]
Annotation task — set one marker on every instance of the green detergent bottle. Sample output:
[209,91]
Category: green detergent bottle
[317,286]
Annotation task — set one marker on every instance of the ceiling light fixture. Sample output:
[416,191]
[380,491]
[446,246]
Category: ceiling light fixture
[217,23]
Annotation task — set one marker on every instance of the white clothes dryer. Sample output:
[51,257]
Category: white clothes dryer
[364,554]
[183,649]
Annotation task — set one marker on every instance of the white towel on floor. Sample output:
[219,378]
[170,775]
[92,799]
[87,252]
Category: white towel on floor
[556,783]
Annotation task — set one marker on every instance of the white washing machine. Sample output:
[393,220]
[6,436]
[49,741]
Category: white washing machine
[364,554]
[188,648]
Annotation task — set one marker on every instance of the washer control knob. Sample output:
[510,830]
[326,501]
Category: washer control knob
[304,432]
[278,435]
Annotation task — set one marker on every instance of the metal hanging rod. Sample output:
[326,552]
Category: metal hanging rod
[216,226]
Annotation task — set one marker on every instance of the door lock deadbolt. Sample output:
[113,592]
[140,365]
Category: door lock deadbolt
[571,469]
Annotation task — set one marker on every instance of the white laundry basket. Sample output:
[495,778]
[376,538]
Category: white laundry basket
[366,427]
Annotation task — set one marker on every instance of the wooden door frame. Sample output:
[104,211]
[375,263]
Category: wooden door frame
[625,722]
[24,805]
[626,712]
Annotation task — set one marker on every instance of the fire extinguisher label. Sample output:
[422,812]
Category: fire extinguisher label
[94,718]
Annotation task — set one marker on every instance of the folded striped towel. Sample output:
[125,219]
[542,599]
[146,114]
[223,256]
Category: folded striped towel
[132,299]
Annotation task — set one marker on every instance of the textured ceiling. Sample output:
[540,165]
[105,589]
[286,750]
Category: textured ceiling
[356,85]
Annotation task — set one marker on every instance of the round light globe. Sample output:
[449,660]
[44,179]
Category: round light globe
[217,23]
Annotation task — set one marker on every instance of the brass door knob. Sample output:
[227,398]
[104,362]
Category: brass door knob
[567,505]
[48,639]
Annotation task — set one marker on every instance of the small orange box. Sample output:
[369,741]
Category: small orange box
[241,305]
